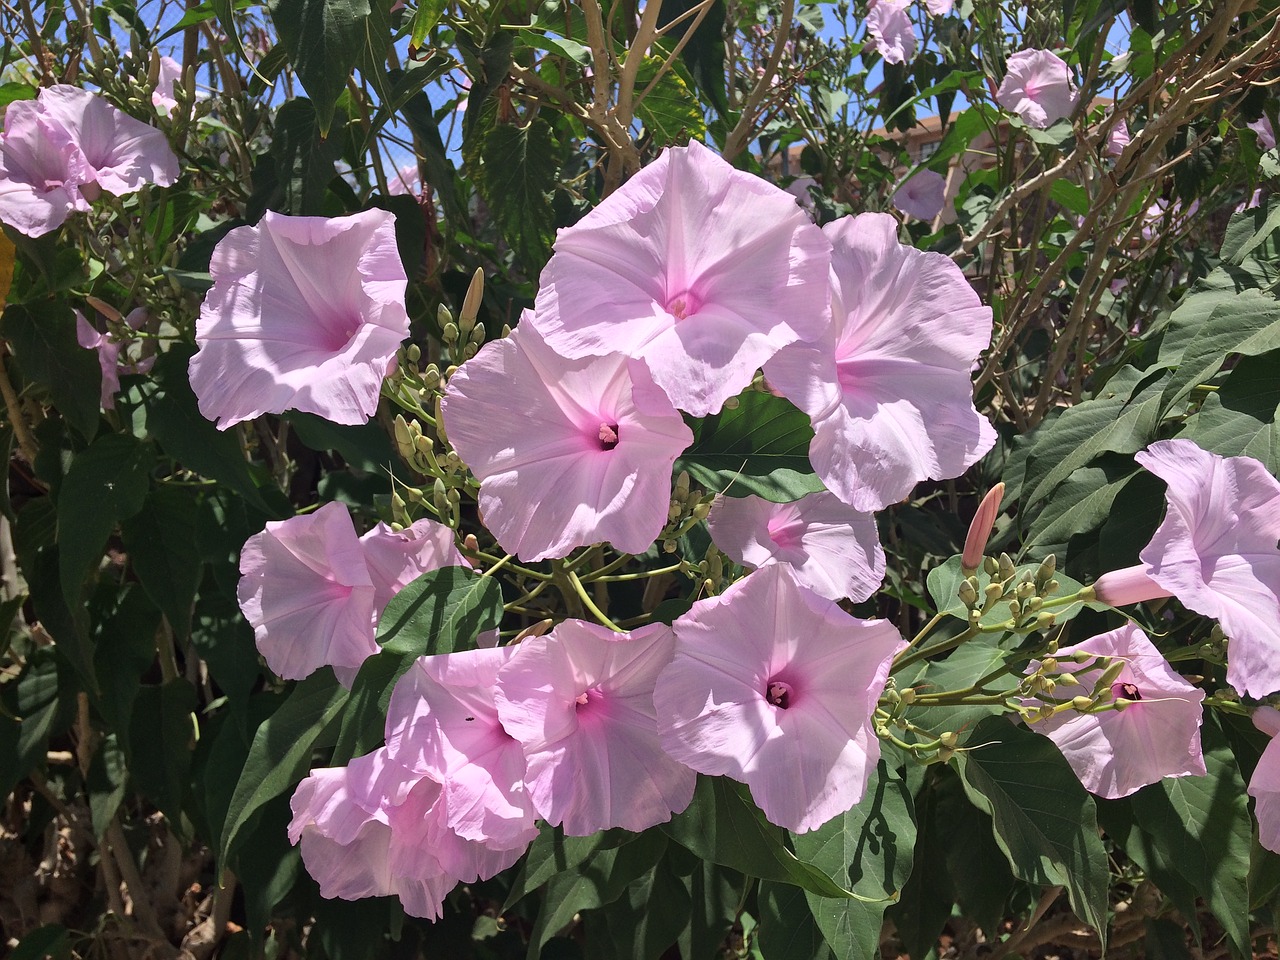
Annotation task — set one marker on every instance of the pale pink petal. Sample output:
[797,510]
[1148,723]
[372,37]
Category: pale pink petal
[123,154]
[1217,552]
[1037,87]
[406,182]
[164,97]
[831,548]
[1119,588]
[700,270]
[923,195]
[775,686]
[587,459]
[41,170]
[396,558]
[1264,787]
[305,313]
[442,721]
[939,8]
[1117,139]
[580,700]
[887,387]
[1266,135]
[1157,736]
[306,592]
[889,27]
[108,358]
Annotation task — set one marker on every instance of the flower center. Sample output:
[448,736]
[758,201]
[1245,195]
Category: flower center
[778,693]
[683,305]
[608,435]
[1125,691]
[586,698]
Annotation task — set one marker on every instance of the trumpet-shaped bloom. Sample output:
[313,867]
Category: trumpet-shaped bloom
[305,313]
[312,595]
[698,269]
[889,27]
[442,721]
[1156,735]
[832,549]
[109,349]
[887,387]
[1264,785]
[581,701]
[775,686]
[374,828]
[41,171]
[164,96]
[1037,87]
[923,195]
[1216,551]
[586,458]
[1117,139]
[1266,134]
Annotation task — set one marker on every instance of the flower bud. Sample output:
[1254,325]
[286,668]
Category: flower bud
[990,565]
[1015,609]
[701,510]
[450,333]
[1045,571]
[1049,664]
[993,592]
[1007,569]
[1119,588]
[471,302]
[967,594]
[1081,703]
[980,529]
[670,546]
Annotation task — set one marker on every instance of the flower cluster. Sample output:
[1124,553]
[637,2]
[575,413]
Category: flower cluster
[59,151]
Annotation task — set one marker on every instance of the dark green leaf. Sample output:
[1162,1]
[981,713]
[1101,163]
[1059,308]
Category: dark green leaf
[162,548]
[161,737]
[1248,324]
[650,914]
[788,930]
[106,782]
[759,447]
[1239,419]
[869,848]
[324,39]
[1043,819]
[704,54]
[519,165]
[552,852]
[106,483]
[44,340]
[51,942]
[927,899]
[723,826]
[670,112]
[281,752]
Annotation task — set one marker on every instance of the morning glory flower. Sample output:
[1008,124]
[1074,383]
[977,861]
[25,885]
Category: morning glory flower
[775,686]
[923,195]
[699,270]
[1037,87]
[890,31]
[1155,735]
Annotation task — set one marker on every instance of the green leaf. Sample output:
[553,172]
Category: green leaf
[324,39]
[106,483]
[160,739]
[651,912]
[1248,324]
[441,611]
[519,166]
[1080,505]
[1266,221]
[723,826]
[1200,828]
[869,848]
[364,447]
[552,852]
[1239,419]
[704,54]
[928,896]
[428,15]
[759,447]
[670,112]
[108,776]
[788,930]
[43,336]
[50,942]
[1043,820]
[281,752]
[304,158]
[162,548]
[963,667]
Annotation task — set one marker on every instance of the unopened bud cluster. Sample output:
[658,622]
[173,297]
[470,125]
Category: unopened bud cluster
[1024,593]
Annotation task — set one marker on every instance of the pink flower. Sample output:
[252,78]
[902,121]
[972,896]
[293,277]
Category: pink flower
[698,269]
[309,590]
[775,686]
[939,8]
[832,549]
[305,313]
[1037,87]
[1157,735]
[887,387]
[374,828]
[581,701]
[923,195]
[58,151]
[1264,785]
[1266,135]
[109,348]
[442,722]
[406,182]
[585,457]
[164,97]
[889,28]
[1117,139]
[1216,551]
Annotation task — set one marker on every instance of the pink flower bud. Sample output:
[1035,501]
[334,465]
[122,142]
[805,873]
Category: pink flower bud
[1119,588]
[980,529]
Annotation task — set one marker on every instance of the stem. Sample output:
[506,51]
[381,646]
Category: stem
[943,647]
[585,597]
[21,432]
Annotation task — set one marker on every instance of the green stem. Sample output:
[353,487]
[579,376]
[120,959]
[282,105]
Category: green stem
[585,597]
[644,574]
[917,655]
